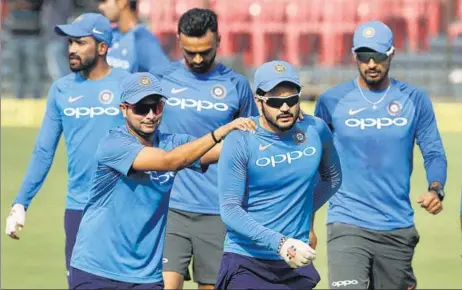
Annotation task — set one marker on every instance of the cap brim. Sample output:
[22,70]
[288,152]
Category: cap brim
[374,46]
[71,30]
[141,95]
[268,86]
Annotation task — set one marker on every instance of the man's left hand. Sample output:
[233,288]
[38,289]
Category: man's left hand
[431,202]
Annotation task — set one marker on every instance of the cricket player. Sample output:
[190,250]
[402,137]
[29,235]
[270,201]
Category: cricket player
[134,48]
[269,191]
[121,237]
[203,95]
[376,120]
[84,106]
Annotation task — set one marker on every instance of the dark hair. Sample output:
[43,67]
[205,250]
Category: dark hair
[196,22]
[132,4]
[261,92]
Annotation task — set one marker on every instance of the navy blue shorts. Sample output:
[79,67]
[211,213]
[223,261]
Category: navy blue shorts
[241,272]
[83,280]
[72,220]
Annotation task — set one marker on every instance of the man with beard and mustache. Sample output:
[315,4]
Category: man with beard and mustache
[269,188]
[202,95]
[84,106]
[121,237]
[134,48]
[376,120]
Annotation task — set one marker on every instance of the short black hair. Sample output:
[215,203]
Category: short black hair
[261,92]
[196,22]
[133,4]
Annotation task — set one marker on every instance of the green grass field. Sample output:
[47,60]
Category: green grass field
[37,260]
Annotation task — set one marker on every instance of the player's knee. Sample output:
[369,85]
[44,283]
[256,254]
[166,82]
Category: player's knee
[173,280]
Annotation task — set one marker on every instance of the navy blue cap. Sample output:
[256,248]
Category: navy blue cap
[88,24]
[375,35]
[137,86]
[272,73]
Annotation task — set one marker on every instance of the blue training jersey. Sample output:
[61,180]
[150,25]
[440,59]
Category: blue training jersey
[137,50]
[268,185]
[376,152]
[198,104]
[84,110]
[121,236]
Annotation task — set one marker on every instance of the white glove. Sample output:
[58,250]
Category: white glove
[15,221]
[297,253]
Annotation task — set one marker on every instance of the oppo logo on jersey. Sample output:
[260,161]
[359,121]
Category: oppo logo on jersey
[377,123]
[118,63]
[163,178]
[198,105]
[91,112]
[283,158]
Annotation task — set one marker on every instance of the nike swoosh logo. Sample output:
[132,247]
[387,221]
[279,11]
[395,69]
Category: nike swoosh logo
[354,112]
[97,31]
[264,147]
[176,91]
[73,99]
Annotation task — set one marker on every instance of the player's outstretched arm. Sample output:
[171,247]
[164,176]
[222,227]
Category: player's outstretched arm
[39,166]
[429,140]
[329,168]
[150,158]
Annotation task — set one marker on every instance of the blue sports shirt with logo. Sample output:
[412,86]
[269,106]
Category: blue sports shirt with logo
[84,111]
[376,151]
[122,233]
[269,185]
[198,104]
[137,50]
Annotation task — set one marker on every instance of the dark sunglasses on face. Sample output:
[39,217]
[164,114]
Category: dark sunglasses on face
[366,56]
[277,102]
[143,109]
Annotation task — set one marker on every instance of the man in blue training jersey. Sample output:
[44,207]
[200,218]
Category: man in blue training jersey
[202,95]
[121,237]
[83,106]
[134,48]
[375,121]
[269,189]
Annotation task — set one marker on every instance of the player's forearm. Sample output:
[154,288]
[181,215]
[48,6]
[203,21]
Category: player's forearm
[212,155]
[436,170]
[330,179]
[39,166]
[239,221]
[184,155]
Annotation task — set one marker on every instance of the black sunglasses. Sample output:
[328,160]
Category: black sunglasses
[277,102]
[366,56]
[144,109]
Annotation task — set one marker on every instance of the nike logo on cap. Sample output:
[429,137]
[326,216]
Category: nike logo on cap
[264,147]
[176,91]
[354,112]
[97,31]
[73,99]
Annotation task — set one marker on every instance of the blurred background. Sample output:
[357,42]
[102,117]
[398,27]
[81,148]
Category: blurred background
[315,35]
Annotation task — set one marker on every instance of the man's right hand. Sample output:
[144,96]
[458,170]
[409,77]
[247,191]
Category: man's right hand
[15,221]
[297,253]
